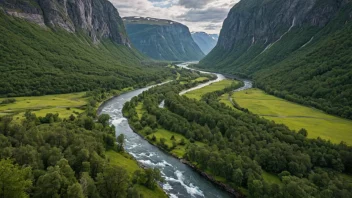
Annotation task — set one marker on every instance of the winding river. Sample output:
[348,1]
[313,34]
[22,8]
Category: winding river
[180,180]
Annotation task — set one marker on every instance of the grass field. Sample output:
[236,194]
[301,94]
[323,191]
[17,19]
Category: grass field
[125,161]
[180,150]
[64,104]
[225,99]
[296,117]
[271,178]
[197,94]
[200,79]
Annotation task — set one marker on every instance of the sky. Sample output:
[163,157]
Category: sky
[198,15]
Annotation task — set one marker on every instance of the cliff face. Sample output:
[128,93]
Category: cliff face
[97,18]
[254,26]
[205,41]
[162,39]
[254,21]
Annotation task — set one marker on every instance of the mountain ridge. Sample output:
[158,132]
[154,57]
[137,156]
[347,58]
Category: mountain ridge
[97,18]
[205,41]
[162,39]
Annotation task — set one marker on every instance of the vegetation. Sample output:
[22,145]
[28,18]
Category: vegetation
[218,86]
[74,157]
[296,117]
[63,104]
[309,65]
[37,61]
[267,159]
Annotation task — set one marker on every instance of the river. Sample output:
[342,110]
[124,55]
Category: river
[180,180]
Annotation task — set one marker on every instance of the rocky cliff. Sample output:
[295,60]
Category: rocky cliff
[262,24]
[97,18]
[205,41]
[162,39]
[297,49]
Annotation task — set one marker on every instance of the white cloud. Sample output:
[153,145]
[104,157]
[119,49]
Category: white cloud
[198,15]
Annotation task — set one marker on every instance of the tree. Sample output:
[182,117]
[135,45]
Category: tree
[113,182]
[88,186]
[303,132]
[49,184]
[255,189]
[88,123]
[120,142]
[152,177]
[237,177]
[104,119]
[75,191]
[14,181]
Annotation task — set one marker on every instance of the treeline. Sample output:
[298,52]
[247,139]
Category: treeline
[321,78]
[37,61]
[51,157]
[239,146]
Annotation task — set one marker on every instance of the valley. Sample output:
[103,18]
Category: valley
[127,99]
[295,116]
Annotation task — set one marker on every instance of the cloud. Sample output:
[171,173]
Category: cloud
[194,3]
[198,15]
[213,15]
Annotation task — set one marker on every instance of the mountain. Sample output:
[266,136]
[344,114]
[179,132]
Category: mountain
[98,18]
[52,46]
[162,39]
[205,41]
[215,37]
[299,50]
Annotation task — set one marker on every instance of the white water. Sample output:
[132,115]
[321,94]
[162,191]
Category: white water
[181,181]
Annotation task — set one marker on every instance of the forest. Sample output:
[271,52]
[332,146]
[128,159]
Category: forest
[36,61]
[53,157]
[245,145]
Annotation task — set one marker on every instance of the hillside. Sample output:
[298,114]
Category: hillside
[205,41]
[298,50]
[162,39]
[80,48]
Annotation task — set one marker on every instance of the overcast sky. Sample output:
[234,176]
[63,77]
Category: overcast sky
[198,15]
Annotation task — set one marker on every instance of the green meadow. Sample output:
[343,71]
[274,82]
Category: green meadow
[160,132]
[197,94]
[63,104]
[296,117]
[131,165]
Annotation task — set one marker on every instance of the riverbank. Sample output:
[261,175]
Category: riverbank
[178,151]
[209,177]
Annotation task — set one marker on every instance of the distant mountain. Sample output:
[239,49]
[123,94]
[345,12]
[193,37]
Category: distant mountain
[51,47]
[162,39]
[300,50]
[205,41]
[215,37]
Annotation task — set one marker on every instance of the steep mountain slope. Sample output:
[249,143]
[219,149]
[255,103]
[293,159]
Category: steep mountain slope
[300,50]
[162,39]
[54,46]
[205,41]
[215,37]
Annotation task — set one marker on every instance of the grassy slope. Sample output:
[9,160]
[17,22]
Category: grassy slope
[41,105]
[127,162]
[296,116]
[197,94]
[39,61]
[318,74]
